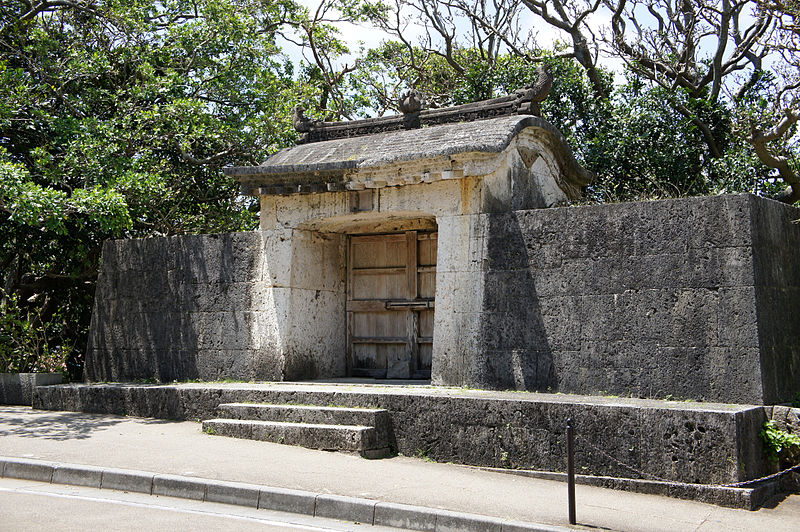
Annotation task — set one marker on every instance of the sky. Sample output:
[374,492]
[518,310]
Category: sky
[358,35]
[367,36]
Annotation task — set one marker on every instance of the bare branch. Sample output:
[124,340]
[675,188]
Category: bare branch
[50,5]
[189,158]
[573,24]
[760,141]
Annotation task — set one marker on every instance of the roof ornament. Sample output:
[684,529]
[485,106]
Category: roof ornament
[529,96]
[524,101]
[410,104]
[303,124]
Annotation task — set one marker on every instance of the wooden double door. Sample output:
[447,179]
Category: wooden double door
[390,304]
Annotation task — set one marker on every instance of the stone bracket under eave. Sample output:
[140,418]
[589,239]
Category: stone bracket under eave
[265,181]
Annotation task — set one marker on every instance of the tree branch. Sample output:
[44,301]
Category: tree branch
[760,140]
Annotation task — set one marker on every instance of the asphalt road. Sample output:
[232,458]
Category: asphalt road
[26,505]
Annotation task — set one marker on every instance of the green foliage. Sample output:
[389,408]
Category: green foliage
[25,342]
[639,146]
[422,454]
[30,204]
[115,121]
[780,445]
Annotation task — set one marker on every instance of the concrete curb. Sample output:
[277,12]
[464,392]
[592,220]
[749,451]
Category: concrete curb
[365,511]
[747,498]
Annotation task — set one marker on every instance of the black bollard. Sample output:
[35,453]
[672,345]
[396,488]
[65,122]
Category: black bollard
[571,471]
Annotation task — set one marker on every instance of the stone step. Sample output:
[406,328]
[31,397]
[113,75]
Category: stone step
[319,415]
[350,438]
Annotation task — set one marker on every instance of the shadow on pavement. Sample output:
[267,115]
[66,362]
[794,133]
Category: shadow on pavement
[774,501]
[27,423]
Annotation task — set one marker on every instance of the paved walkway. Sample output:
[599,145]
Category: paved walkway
[181,448]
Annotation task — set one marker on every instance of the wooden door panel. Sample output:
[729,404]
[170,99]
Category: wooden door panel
[378,325]
[369,360]
[426,270]
[380,360]
[379,286]
[423,371]
[391,286]
[427,284]
[425,342]
[378,251]
[426,323]
[368,356]
[427,249]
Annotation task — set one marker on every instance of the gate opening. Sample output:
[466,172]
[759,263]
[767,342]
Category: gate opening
[391,287]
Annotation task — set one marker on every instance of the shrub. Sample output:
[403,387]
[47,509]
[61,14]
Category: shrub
[25,342]
[779,445]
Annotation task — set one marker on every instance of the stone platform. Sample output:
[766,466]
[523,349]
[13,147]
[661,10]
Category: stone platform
[698,443]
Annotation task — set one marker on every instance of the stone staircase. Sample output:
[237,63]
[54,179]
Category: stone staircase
[331,428]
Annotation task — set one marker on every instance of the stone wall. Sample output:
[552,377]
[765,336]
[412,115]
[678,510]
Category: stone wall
[694,298]
[776,242]
[218,306]
[17,388]
[675,441]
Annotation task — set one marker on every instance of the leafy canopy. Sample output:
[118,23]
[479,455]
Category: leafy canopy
[115,120]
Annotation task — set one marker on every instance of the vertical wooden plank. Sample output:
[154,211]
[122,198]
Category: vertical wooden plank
[426,328]
[411,264]
[412,320]
[348,361]
[412,346]
[424,248]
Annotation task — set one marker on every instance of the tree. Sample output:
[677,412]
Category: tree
[773,120]
[115,120]
[318,37]
[709,59]
[740,37]
[492,28]
[670,50]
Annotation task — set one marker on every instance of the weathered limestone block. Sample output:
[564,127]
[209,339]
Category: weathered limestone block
[694,298]
[219,306]
[291,211]
[458,298]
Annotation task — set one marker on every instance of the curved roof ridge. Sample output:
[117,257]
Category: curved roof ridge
[491,135]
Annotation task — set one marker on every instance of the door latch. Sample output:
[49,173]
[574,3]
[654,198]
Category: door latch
[416,304]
